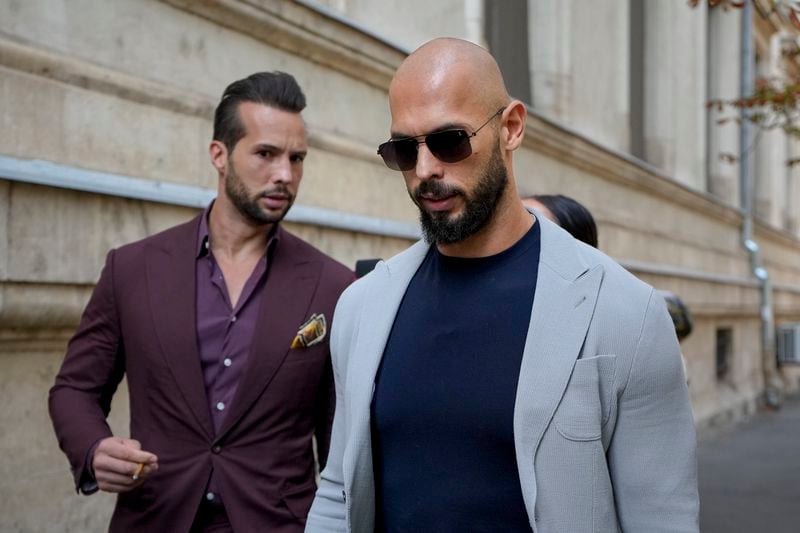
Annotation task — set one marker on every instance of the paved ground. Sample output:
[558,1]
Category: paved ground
[750,475]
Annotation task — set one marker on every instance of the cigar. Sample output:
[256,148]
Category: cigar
[139,468]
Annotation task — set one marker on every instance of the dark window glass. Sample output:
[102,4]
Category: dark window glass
[507,37]
[724,351]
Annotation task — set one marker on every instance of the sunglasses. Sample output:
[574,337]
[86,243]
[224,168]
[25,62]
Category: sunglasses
[448,146]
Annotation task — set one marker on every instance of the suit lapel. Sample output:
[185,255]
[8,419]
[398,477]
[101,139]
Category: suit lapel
[388,284]
[291,283]
[171,286]
[566,292]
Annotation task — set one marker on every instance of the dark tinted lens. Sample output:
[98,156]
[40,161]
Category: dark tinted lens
[449,146]
[399,155]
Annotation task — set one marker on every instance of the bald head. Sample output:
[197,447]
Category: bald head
[446,67]
[462,182]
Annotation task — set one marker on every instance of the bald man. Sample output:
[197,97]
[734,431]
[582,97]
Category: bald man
[498,375]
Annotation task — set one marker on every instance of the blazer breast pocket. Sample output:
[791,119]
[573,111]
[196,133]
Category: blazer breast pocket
[313,354]
[586,402]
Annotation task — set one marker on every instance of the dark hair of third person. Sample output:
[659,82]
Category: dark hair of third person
[275,89]
[572,216]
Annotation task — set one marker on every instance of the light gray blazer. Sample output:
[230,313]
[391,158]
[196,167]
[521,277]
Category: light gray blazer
[603,427]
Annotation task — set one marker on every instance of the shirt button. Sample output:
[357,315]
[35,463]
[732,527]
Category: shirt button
[210,496]
[220,406]
[216,449]
[227,361]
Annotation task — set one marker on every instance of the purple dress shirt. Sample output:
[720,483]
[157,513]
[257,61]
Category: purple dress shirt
[224,332]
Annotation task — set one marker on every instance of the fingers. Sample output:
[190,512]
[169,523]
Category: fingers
[112,481]
[106,463]
[125,450]
[121,465]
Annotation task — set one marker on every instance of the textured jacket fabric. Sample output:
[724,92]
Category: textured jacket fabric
[603,427]
[140,323]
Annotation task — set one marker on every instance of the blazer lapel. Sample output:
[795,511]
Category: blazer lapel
[285,305]
[171,286]
[388,284]
[566,292]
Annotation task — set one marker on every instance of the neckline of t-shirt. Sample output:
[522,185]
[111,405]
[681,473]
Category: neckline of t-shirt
[507,256]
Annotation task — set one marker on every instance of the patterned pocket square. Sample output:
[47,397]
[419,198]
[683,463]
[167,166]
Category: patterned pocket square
[312,332]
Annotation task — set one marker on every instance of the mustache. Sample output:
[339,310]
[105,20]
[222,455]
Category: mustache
[281,190]
[435,190]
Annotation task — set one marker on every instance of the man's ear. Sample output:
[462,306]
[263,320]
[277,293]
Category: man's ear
[513,121]
[219,156]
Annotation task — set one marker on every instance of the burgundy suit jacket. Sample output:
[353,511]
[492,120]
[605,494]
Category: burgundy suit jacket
[140,323]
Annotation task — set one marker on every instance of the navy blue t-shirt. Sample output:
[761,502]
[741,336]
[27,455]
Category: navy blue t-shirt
[443,407]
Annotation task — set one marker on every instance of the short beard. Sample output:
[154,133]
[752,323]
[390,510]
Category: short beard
[239,195]
[479,208]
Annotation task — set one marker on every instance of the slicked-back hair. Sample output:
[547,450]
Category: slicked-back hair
[275,89]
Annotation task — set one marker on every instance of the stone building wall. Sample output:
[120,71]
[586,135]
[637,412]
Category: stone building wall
[105,111]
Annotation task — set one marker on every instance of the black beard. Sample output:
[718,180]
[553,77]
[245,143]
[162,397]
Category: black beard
[479,209]
[249,208]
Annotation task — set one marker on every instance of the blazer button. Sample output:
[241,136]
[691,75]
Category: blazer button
[216,449]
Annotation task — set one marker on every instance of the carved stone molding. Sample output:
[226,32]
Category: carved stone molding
[305,32]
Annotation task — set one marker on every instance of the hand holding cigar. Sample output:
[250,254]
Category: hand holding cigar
[121,465]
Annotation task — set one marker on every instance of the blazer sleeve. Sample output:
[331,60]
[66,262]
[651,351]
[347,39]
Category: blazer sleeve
[80,399]
[652,453]
[326,397]
[328,512]
[326,402]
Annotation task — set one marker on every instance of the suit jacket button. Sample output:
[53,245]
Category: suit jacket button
[216,449]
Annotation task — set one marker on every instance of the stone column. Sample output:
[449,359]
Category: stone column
[772,150]
[674,124]
[793,215]
[724,45]
[550,52]
[579,66]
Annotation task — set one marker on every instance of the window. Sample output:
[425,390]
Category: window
[724,351]
[507,37]
[636,59]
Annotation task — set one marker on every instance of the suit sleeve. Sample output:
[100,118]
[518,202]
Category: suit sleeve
[326,403]
[652,453]
[326,400]
[328,512]
[80,399]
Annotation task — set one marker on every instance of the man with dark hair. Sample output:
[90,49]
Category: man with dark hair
[497,375]
[220,326]
[274,89]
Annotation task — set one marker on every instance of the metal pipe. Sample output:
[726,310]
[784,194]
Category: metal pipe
[67,177]
[772,388]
